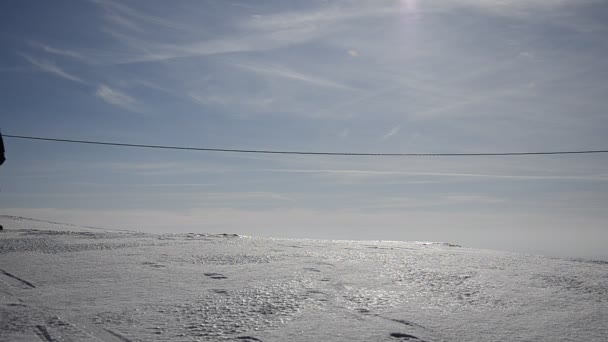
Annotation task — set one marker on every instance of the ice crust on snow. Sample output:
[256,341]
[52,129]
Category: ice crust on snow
[69,283]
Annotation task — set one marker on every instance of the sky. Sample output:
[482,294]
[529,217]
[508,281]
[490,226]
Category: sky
[408,76]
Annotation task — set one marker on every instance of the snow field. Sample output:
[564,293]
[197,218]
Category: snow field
[68,283]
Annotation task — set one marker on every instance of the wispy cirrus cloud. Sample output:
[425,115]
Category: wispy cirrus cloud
[344,133]
[57,51]
[117,98]
[142,50]
[390,133]
[230,101]
[516,7]
[144,185]
[319,18]
[170,169]
[51,68]
[258,32]
[131,18]
[381,173]
[287,73]
[104,92]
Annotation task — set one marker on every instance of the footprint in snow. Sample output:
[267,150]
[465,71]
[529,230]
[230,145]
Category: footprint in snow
[215,275]
[249,339]
[406,337]
[219,291]
[43,333]
[16,281]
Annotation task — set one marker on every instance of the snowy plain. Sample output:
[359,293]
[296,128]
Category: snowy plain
[61,282]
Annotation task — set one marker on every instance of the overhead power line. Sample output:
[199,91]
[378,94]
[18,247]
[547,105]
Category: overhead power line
[307,152]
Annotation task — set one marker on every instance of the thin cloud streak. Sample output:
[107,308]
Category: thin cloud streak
[56,51]
[283,72]
[51,68]
[516,8]
[390,133]
[443,174]
[200,198]
[144,185]
[161,51]
[116,98]
[320,18]
[126,16]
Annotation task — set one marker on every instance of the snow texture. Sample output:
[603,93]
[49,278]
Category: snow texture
[63,282]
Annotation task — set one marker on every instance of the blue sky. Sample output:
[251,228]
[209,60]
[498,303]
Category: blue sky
[358,76]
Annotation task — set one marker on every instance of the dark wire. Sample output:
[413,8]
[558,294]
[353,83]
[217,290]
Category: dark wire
[306,152]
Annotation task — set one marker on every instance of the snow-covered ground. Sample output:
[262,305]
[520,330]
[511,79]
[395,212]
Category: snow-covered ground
[68,283]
